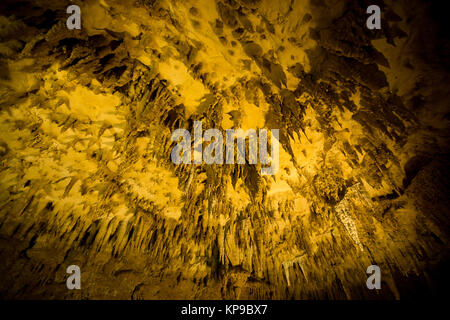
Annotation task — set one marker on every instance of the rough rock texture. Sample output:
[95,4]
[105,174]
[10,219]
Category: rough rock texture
[86,178]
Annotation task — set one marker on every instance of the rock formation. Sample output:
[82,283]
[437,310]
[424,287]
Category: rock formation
[86,179]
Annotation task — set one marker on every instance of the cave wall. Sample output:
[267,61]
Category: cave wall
[86,118]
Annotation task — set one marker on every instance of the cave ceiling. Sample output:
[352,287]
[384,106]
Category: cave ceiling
[86,177]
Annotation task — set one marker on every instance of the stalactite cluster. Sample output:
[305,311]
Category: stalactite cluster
[86,179]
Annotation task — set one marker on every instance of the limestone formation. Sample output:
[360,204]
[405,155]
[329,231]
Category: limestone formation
[86,178]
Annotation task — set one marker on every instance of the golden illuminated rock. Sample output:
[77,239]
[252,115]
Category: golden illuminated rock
[86,177]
